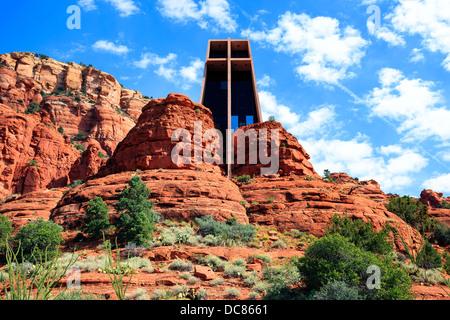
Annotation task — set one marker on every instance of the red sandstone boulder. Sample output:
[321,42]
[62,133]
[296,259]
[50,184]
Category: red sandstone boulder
[149,144]
[293,159]
[179,195]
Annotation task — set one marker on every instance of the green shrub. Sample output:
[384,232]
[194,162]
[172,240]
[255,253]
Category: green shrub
[97,221]
[79,147]
[213,262]
[75,183]
[441,235]
[233,270]
[79,136]
[32,108]
[33,163]
[229,233]
[428,258]
[39,239]
[337,290]
[334,257]
[6,229]
[444,205]
[245,179]
[361,234]
[232,293]
[447,262]
[413,212]
[181,265]
[76,295]
[137,218]
[217,282]
[272,119]
[61,130]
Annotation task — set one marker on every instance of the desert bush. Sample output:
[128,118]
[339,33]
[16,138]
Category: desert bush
[216,282]
[441,235]
[6,229]
[32,108]
[213,262]
[77,294]
[39,238]
[250,278]
[229,233]
[334,257]
[337,290]
[428,258]
[233,270]
[181,265]
[413,212]
[138,263]
[279,244]
[201,294]
[96,222]
[361,234]
[75,183]
[137,218]
[245,179]
[183,235]
[232,293]
[22,280]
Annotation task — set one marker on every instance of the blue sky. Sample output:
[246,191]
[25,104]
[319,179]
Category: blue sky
[363,84]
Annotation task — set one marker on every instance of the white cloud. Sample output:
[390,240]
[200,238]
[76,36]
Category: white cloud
[412,104]
[391,149]
[213,15]
[108,46]
[310,39]
[384,33]
[393,166]
[125,7]
[439,184]
[265,81]
[430,19]
[87,5]
[192,73]
[167,68]
[417,55]
[358,158]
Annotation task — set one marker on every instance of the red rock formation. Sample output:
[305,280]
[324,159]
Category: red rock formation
[97,105]
[149,146]
[308,205]
[87,165]
[293,159]
[430,198]
[31,206]
[179,195]
[33,154]
[434,201]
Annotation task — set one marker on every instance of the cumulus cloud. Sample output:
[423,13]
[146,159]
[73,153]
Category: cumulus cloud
[439,183]
[386,34]
[310,40]
[357,157]
[125,7]
[167,67]
[110,47]
[213,15]
[265,81]
[430,19]
[413,104]
[87,5]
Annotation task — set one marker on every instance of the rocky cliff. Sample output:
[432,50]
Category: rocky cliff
[89,128]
